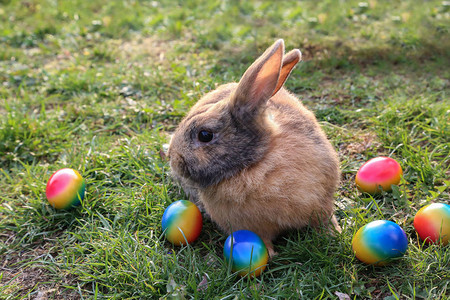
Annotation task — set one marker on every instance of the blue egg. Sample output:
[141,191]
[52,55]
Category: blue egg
[247,252]
[379,242]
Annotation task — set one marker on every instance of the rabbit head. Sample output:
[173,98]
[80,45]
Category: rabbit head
[228,130]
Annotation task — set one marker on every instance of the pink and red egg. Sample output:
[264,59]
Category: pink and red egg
[377,174]
[432,223]
[65,189]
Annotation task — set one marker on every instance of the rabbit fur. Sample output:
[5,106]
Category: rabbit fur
[254,156]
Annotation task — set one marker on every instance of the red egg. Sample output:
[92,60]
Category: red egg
[378,174]
[432,223]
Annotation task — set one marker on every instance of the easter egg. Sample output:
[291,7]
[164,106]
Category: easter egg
[65,189]
[378,173]
[432,223]
[247,252]
[182,222]
[377,242]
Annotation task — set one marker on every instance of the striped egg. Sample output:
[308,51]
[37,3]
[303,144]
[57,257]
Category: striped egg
[378,174]
[432,223]
[65,189]
[377,242]
[182,222]
[247,252]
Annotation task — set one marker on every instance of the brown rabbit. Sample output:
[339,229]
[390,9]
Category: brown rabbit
[254,156]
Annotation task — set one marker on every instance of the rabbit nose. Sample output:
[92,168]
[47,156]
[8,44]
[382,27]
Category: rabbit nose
[171,155]
[169,151]
[178,163]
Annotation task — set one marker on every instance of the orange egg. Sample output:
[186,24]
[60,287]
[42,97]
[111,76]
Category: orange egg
[378,174]
[182,222]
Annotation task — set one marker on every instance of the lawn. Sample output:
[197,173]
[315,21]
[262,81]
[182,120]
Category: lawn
[98,86]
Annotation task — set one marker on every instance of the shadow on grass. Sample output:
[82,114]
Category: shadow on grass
[345,55]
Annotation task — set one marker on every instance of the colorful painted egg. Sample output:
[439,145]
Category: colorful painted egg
[247,252]
[182,222]
[432,223]
[377,242]
[378,173]
[65,189]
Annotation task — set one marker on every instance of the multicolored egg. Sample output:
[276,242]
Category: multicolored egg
[65,189]
[432,223]
[182,222]
[378,174]
[377,242]
[247,252]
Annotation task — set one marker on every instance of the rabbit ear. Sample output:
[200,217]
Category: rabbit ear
[289,62]
[260,80]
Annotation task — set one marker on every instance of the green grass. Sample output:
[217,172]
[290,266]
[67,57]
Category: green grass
[99,85]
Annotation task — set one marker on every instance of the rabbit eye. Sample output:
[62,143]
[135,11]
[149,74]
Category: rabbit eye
[205,136]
